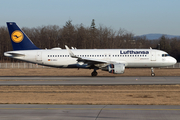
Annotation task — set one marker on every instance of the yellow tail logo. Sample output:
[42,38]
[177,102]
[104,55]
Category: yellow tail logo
[17,36]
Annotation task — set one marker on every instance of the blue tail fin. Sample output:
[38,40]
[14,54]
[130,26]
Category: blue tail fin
[19,39]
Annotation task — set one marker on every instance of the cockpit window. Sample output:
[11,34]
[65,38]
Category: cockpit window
[164,55]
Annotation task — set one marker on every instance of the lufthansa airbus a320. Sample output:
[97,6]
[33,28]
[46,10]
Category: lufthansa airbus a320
[111,60]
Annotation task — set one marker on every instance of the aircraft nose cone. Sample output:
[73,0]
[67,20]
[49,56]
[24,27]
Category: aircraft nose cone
[175,61]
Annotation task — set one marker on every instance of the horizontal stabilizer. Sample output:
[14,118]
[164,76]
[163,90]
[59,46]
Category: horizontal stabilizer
[13,54]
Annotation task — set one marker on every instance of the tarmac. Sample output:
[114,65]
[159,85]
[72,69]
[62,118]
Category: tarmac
[88,112]
[89,80]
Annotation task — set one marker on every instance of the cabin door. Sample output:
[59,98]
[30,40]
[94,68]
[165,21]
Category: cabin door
[153,56]
[39,57]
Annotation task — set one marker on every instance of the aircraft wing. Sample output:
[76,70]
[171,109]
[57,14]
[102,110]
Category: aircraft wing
[89,61]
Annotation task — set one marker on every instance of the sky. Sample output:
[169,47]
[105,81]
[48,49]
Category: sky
[136,16]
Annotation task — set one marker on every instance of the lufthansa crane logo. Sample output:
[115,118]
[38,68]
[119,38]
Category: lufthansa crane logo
[17,36]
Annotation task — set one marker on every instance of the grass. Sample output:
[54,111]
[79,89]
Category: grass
[86,72]
[95,95]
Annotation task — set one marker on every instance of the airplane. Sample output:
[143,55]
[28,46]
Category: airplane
[112,60]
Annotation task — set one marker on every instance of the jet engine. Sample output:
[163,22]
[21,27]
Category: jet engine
[117,68]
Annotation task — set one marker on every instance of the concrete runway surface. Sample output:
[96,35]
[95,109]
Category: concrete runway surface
[88,112]
[87,80]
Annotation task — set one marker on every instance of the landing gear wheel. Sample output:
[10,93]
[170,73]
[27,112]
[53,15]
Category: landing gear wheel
[94,73]
[152,72]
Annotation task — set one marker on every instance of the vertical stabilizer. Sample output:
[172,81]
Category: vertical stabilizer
[19,39]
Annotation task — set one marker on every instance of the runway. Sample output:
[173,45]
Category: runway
[88,80]
[89,112]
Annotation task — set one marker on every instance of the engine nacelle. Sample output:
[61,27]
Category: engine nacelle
[117,68]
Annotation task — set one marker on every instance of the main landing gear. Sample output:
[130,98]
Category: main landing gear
[94,73]
[152,72]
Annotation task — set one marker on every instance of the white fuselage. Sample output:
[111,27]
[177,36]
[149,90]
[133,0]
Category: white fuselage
[61,57]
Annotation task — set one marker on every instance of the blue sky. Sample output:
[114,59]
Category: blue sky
[136,16]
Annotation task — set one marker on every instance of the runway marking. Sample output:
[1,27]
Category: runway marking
[128,109]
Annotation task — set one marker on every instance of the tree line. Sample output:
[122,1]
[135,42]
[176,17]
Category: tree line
[91,37]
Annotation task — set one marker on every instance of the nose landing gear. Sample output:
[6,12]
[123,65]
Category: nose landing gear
[152,72]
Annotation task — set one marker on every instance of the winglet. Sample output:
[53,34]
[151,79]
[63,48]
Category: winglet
[70,52]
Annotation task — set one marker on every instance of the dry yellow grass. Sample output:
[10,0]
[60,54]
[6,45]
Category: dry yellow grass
[85,72]
[120,94]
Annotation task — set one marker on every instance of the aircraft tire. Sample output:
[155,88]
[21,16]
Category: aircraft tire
[93,74]
[152,74]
